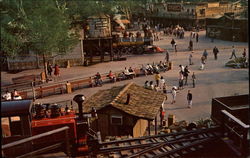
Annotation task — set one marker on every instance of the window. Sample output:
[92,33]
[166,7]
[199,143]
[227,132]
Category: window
[5,125]
[11,126]
[116,120]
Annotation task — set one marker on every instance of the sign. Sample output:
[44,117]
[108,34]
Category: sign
[174,7]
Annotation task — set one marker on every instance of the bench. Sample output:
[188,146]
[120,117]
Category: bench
[27,79]
[76,84]
[138,72]
[23,94]
[54,89]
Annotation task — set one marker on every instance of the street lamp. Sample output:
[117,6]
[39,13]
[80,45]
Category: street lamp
[79,99]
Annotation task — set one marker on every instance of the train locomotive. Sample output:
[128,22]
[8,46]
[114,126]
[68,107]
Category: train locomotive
[23,120]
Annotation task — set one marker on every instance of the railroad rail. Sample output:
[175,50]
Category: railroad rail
[171,145]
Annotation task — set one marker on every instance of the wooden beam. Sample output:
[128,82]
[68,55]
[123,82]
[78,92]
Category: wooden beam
[156,125]
[34,137]
[148,127]
[39,151]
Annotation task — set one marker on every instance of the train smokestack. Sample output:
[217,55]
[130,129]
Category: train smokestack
[79,99]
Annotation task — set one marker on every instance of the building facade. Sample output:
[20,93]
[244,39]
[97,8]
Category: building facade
[188,14]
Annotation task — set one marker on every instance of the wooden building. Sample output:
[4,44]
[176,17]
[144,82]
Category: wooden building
[189,14]
[98,39]
[125,110]
[229,27]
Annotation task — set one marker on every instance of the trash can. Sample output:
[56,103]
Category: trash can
[171,119]
[68,87]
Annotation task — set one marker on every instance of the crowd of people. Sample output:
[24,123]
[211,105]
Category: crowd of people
[177,31]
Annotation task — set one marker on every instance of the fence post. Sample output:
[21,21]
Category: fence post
[67,143]
[33,91]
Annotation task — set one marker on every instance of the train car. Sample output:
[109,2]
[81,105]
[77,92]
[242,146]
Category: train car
[21,120]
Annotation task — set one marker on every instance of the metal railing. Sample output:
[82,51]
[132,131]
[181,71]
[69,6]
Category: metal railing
[238,128]
[42,150]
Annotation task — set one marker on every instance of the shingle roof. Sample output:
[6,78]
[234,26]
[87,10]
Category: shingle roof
[143,103]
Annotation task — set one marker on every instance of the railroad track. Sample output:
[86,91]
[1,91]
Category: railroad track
[170,145]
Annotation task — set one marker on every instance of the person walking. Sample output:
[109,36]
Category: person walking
[164,88]
[172,42]
[174,91]
[56,72]
[202,62]
[167,56]
[194,79]
[190,45]
[233,53]
[215,51]
[181,68]
[185,74]
[197,37]
[181,80]
[175,48]
[205,54]
[162,81]
[189,99]
[157,78]
[190,58]
[49,69]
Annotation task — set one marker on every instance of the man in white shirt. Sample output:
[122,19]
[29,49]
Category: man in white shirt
[7,95]
[181,68]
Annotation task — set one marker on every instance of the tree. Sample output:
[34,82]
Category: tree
[49,29]
[43,26]
[13,29]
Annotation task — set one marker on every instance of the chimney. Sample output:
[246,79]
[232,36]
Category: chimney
[128,98]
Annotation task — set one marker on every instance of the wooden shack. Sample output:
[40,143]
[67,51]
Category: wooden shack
[125,110]
[229,27]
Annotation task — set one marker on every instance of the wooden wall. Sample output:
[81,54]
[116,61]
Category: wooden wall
[140,128]
[103,124]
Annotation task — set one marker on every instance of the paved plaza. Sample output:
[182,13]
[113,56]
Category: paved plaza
[215,81]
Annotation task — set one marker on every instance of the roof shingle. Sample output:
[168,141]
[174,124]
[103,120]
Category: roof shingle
[143,103]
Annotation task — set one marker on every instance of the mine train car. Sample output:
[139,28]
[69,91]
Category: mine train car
[131,45]
[21,119]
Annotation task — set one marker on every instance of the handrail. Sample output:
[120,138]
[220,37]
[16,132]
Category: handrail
[34,137]
[242,124]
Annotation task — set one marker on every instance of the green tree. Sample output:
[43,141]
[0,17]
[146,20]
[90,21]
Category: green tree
[49,29]
[43,26]
[13,30]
